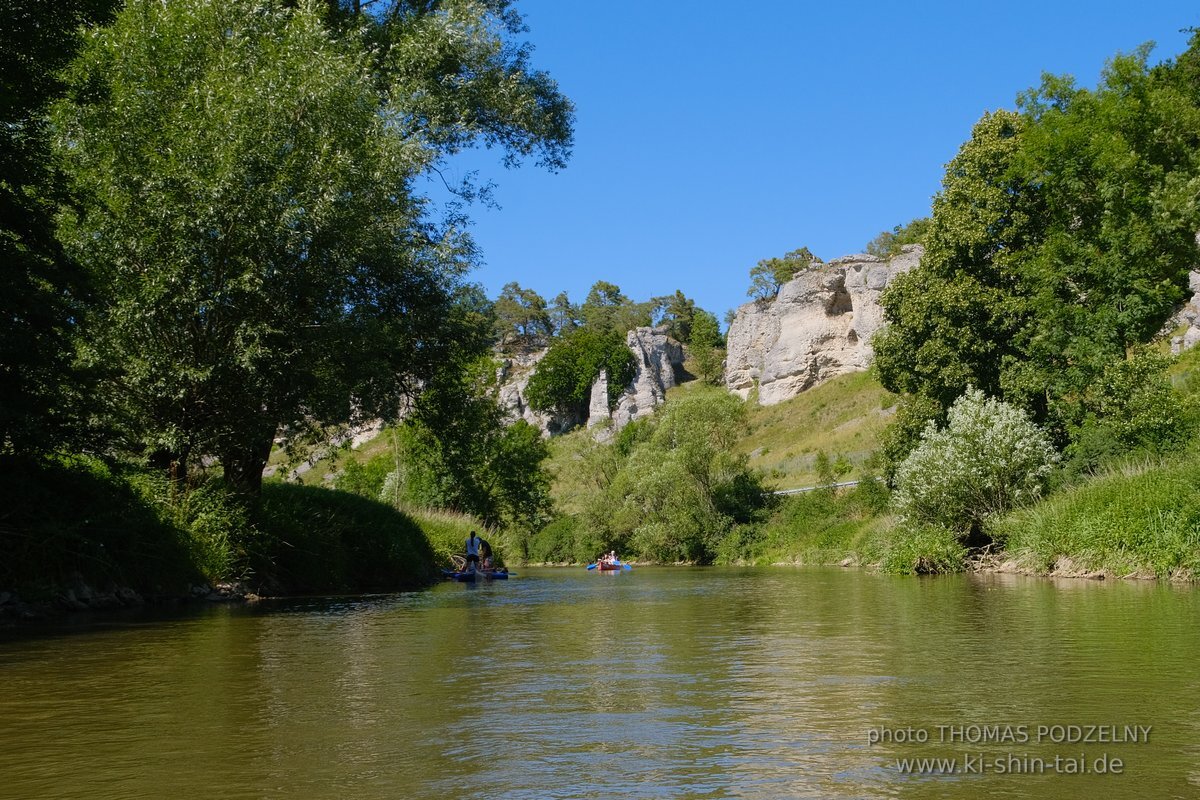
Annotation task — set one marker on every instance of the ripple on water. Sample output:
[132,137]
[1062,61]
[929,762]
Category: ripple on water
[661,683]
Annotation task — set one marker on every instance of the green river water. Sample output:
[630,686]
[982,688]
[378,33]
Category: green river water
[657,683]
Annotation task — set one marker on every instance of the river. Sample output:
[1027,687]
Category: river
[655,683]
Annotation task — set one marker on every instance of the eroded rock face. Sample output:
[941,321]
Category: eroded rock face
[819,325]
[658,360]
[513,377]
[1189,315]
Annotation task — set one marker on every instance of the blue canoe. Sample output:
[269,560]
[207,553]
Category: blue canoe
[472,576]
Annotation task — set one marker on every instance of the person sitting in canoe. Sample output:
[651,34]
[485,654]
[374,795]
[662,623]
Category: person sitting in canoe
[485,555]
[473,543]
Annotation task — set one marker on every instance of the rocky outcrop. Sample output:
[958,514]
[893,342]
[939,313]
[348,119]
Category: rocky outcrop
[598,403]
[819,325]
[513,377]
[1188,316]
[658,361]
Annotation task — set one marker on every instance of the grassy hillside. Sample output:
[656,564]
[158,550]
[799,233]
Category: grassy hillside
[327,458]
[843,416]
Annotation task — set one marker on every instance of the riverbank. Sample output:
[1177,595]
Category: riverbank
[81,533]
[1137,520]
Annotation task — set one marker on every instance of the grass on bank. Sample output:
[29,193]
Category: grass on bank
[1137,519]
[81,519]
[844,416]
[812,528]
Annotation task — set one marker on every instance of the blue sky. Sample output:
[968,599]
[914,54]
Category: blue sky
[713,134]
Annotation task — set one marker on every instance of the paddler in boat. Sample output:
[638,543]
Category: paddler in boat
[473,543]
[485,552]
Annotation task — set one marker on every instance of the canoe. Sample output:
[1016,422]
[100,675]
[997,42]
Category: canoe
[472,576]
[616,566]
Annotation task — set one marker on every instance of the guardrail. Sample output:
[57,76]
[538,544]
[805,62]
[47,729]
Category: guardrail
[822,486]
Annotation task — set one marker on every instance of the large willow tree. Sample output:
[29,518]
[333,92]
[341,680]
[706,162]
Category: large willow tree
[246,175]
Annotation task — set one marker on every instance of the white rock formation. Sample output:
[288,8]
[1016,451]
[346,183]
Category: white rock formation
[513,377]
[818,326]
[658,357]
[1189,315]
[598,403]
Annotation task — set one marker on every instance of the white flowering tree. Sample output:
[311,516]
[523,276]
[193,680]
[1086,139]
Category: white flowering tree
[988,459]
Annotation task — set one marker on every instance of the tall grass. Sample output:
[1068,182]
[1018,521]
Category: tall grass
[447,531]
[80,518]
[1138,518]
[818,527]
[316,540]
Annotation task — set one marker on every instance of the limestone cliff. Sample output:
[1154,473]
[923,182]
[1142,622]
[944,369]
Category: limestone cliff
[819,325]
[513,377]
[658,359]
[1188,316]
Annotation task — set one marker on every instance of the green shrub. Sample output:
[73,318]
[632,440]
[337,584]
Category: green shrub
[921,550]
[989,459]
[565,540]
[364,480]
[889,243]
[913,415]
[219,533]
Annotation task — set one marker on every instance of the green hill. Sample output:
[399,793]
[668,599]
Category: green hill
[844,416]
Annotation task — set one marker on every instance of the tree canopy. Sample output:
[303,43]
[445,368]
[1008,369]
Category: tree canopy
[890,243]
[768,275]
[564,377]
[1062,238]
[245,174]
[522,316]
[41,289]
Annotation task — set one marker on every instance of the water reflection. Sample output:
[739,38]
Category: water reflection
[662,683]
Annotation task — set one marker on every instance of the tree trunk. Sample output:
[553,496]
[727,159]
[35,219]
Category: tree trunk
[175,465]
[244,466]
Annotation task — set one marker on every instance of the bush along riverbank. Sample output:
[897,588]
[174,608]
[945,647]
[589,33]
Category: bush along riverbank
[84,533]
[986,489]
[987,492]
